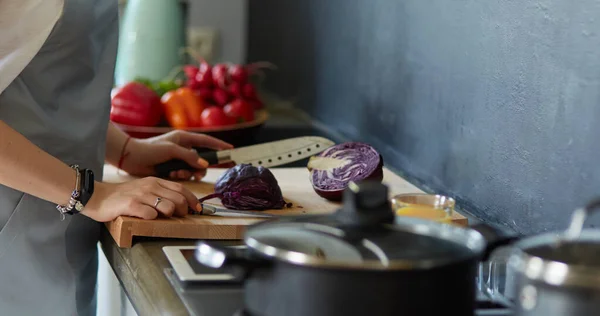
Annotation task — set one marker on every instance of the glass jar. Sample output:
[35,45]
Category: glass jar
[427,206]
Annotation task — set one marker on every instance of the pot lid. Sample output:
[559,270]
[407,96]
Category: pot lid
[571,258]
[364,233]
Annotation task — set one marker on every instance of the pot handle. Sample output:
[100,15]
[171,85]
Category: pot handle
[578,219]
[495,257]
[494,238]
[497,277]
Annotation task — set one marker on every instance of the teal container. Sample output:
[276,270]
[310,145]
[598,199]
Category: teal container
[151,37]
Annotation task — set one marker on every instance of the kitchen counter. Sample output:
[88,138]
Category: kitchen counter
[141,273]
[141,268]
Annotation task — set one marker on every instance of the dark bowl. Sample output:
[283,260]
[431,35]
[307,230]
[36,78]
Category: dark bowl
[241,134]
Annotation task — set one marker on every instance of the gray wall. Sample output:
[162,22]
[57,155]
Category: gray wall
[229,17]
[493,102]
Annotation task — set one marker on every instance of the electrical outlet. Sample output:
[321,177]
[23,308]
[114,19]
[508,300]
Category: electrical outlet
[203,40]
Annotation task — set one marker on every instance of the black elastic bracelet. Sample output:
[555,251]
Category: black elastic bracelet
[87,185]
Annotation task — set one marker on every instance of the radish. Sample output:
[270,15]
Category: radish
[219,75]
[220,96]
[205,78]
[241,73]
[201,74]
[205,94]
[190,71]
[192,84]
[249,92]
[204,66]
[238,74]
[235,89]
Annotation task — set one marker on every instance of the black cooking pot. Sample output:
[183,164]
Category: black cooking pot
[557,274]
[361,260]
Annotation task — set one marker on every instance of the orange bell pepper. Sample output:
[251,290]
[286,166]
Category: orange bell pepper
[193,105]
[183,108]
[174,110]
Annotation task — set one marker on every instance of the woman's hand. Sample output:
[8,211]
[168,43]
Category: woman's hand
[143,154]
[138,198]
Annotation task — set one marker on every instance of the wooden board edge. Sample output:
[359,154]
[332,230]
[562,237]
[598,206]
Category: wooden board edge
[215,232]
[120,231]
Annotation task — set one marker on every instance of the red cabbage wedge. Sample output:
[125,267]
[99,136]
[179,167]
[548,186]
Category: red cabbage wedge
[246,187]
[333,169]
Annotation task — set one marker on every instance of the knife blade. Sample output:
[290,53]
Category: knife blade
[208,209]
[268,154]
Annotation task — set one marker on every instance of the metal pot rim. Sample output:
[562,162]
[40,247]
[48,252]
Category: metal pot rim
[470,238]
[550,271]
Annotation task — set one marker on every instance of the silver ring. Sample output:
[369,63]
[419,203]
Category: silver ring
[158,199]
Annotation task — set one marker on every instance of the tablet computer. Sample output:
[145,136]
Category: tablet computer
[187,268]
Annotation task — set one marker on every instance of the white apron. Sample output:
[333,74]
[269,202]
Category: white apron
[60,102]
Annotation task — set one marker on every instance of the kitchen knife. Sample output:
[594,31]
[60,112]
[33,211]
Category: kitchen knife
[266,154]
[208,209]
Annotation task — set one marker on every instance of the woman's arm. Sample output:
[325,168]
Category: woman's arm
[27,168]
[115,140]
[141,155]
[25,26]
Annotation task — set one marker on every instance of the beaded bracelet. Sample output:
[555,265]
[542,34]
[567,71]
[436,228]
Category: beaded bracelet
[73,201]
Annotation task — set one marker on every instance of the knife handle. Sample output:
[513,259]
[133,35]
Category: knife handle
[163,170]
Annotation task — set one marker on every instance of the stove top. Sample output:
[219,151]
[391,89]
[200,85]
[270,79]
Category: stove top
[227,299]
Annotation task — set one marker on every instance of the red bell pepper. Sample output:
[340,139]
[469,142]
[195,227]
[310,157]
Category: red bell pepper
[135,104]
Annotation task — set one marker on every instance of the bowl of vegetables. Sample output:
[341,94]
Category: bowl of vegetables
[219,100]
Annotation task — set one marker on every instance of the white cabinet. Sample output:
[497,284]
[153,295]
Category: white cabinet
[111,299]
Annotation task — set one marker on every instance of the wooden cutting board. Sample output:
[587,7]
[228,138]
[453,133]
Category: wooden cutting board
[293,182]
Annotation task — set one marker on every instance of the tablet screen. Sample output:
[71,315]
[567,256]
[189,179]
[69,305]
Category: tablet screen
[198,268]
[187,268]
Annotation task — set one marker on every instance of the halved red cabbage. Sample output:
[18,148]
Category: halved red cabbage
[332,170]
[245,187]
